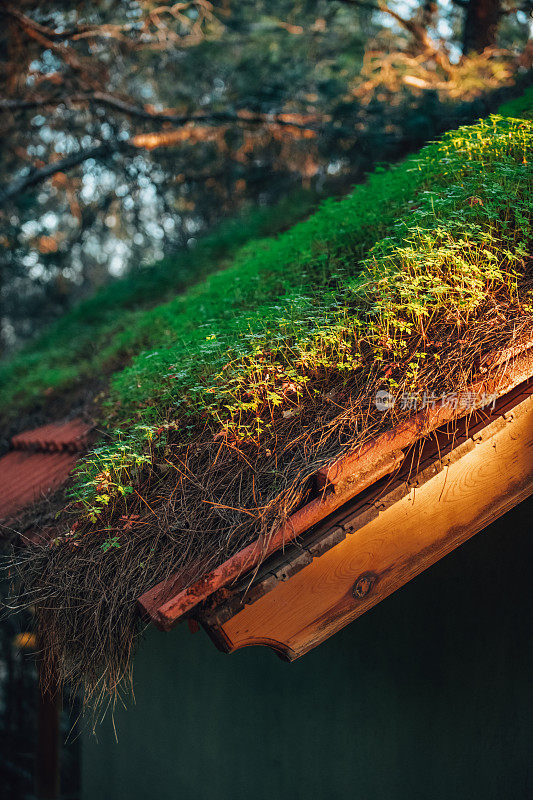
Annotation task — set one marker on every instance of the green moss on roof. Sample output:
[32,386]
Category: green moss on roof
[106,330]
[263,373]
[298,305]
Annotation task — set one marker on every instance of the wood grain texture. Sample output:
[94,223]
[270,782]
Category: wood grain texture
[417,524]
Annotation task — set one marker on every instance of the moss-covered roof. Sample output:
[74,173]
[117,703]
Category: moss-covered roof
[259,375]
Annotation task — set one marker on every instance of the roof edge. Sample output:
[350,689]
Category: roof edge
[350,475]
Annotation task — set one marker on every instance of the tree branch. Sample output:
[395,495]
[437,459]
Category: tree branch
[117,31]
[27,22]
[42,35]
[140,141]
[37,176]
[417,31]
[302,122]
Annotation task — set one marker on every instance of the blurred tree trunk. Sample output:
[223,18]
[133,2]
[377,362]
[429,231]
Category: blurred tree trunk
[481,24]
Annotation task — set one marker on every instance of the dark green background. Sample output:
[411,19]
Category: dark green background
[430,695]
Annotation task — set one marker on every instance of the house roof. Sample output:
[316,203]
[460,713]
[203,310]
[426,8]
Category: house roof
[39,461]
[324,353]
[341,482]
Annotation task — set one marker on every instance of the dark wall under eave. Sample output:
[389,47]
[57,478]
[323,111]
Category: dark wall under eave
[429,695]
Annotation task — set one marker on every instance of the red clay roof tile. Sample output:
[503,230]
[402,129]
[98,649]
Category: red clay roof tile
[40,462]
[26,476]
[71,436]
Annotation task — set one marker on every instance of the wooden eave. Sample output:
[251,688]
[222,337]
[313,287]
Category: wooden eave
[447,489]
[338,484]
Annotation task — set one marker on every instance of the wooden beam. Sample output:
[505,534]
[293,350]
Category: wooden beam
[387,541]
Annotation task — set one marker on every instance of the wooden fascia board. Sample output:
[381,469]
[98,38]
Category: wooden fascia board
[367,552]
[166,603]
